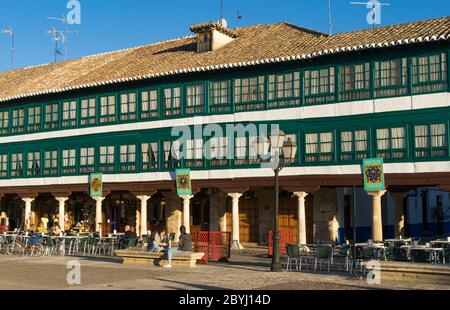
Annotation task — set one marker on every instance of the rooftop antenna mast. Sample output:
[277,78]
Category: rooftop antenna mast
[238,18]
[374,16]
[330,17]
[57,36]
[221,10]
[62,35]
[10,31]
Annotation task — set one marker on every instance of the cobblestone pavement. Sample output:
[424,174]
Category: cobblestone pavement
[242,273]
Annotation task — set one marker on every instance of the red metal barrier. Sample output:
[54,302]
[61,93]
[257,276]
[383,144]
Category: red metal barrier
[3,229]
[215,245]
[287,236]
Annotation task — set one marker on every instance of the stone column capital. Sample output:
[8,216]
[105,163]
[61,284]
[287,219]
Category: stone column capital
[99,199]
[28,200]
[235,195]
[62,199]
[301,195]
[376,194]
[186,197]
[143,198]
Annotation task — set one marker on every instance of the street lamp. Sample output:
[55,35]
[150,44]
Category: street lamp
[283,152]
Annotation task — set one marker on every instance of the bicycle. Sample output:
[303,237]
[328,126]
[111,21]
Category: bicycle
[32,247]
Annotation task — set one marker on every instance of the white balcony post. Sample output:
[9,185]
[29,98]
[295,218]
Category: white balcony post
[186,212]
[98,213]
[61,211]
[301,217]
[27,214]
[143,199]
[235,224]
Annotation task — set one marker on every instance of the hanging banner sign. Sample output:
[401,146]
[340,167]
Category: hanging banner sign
[183,182]
[96,185]
[373,171]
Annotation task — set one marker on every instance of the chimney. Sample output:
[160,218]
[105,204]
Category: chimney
[212,36]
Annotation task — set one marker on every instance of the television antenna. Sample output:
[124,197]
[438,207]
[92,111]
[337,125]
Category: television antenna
[10,32]
[330,17]
[61,35]
[238,18]
[375,7]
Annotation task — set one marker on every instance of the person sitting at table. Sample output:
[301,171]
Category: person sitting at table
[56,230]
[126,237]
[184,245]
[40,229]
[32,230]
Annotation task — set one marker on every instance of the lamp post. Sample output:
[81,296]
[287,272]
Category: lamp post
[283,153]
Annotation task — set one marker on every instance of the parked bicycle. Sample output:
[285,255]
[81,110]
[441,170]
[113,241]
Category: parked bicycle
[22,246]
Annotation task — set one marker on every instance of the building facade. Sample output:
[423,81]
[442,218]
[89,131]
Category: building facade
[342,98]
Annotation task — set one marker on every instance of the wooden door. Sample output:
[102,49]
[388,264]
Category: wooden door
[248,220]
[288,217]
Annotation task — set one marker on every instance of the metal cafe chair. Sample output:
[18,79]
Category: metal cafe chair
[293,256]
[323,253]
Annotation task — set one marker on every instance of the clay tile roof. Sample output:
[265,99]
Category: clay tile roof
[212,25]
[259,44]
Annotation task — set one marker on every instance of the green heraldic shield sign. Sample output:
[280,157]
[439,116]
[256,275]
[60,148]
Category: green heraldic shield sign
[373,172]
[183,182]
[96,185]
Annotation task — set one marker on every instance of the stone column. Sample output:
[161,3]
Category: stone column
[186,212]
[143,199]
[235,213]
[301,217]
[98,214]
[377,223]
[28,202]
[398,198]
[62,214]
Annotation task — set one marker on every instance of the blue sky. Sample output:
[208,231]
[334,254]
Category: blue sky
[115,24]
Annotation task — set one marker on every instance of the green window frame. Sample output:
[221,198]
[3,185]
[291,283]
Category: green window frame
[87,159]
[34,118]
[172,101]
[128,106]
[249,93]
[195,99]
[69,161]
[4,122]
[69,118]
[88,111]
[319,147]
[194,153]
[172,154]
[17,167]
[245,151]
[430,140]
[218,151]
[128,157]
[51,116]
[320,85]
[4,165]
[51,162]
[391,77]
[220,100]
[149,104]
[284,90]
[355,144]
[150,156]
[107,158]
[34,163]
[18,121]
[391,143]
[107,109]
[354,81]
[429,73]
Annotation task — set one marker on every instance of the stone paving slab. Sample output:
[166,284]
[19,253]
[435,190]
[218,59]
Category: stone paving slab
[242,273]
